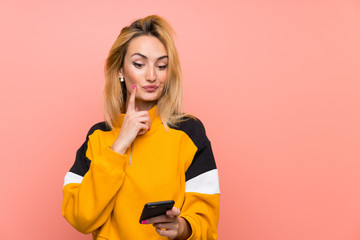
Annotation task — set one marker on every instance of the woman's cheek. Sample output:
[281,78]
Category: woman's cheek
[133,78]
[163,78]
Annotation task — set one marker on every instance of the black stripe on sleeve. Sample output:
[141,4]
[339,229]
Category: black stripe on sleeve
[82,163]
[204,159]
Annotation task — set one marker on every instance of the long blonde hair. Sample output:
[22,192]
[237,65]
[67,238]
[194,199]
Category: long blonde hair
[169,106]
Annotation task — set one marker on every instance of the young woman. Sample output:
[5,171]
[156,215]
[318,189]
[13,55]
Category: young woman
[146,150]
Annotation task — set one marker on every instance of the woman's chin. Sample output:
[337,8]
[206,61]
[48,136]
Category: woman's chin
[149,97]
[146,101]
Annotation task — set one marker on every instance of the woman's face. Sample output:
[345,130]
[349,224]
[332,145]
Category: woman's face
[145,65]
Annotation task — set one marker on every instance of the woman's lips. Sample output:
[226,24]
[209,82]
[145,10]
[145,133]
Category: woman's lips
[150,88]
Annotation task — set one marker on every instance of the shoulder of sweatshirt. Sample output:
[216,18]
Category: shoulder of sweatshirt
[194,128]
[99,126]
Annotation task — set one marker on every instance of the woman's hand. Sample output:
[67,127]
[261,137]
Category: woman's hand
[171,225]
[135,123]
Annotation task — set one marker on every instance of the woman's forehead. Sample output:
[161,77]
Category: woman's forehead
[148,46]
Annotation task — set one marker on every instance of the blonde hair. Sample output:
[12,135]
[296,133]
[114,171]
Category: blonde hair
[169,105]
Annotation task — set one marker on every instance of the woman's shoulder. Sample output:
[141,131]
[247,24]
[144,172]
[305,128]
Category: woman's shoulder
[189,122]
[102,126]
[193,127]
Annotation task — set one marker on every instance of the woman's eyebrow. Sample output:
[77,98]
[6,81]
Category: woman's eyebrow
[143,56]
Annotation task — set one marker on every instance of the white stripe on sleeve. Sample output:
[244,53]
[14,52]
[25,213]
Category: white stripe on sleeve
[207,183]
[72,178]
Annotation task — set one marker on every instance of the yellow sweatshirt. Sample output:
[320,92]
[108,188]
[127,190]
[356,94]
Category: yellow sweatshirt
[104,191]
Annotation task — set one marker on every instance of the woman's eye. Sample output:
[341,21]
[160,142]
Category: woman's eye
[162,67]
[138,65]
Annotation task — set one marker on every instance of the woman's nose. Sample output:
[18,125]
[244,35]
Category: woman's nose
[151,74]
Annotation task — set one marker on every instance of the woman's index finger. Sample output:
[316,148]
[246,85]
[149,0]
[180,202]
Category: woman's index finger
[131,103]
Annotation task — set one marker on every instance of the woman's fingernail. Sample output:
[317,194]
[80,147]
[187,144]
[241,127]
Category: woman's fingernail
[134,86]
[144,222]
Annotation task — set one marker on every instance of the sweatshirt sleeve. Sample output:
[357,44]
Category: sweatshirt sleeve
[91,184]
[202,192]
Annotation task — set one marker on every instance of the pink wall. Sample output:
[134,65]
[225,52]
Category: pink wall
[276,83]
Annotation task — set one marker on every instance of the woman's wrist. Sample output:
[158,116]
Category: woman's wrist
[120,151]
[184,229]
[116,147]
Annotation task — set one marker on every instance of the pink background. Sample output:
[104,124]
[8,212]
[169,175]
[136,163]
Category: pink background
[276,83]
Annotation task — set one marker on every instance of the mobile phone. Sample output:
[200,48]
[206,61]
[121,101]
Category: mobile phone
[154,209]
